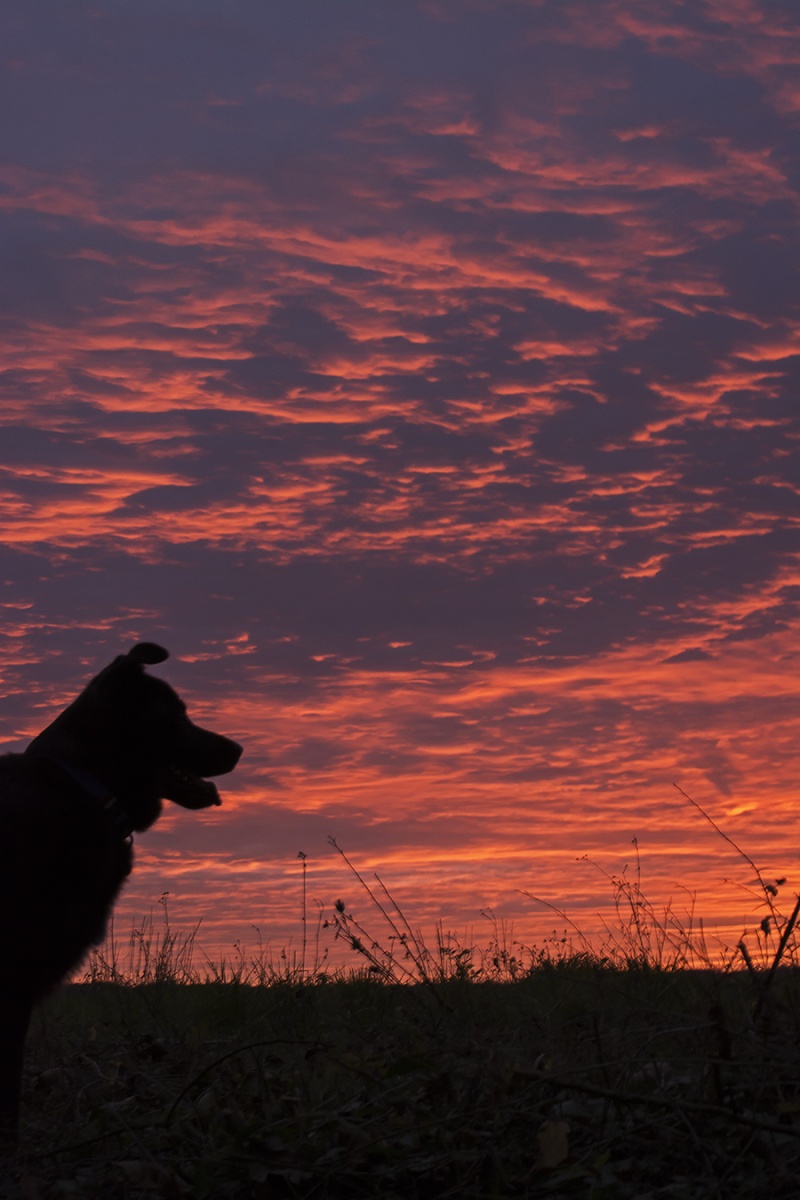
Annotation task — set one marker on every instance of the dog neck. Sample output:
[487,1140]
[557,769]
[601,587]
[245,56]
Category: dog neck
[94,787]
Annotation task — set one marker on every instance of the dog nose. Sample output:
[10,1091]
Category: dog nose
[235,751]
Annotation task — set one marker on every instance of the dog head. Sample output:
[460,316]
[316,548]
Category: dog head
[131,731]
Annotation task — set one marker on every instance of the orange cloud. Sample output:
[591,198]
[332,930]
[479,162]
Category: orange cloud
[443,430]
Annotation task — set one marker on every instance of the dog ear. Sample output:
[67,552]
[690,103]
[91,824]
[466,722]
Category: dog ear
[147,654]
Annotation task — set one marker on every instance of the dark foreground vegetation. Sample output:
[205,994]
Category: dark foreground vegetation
[633,1071]
[579,1080]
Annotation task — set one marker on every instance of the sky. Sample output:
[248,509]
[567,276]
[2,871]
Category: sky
[424,377]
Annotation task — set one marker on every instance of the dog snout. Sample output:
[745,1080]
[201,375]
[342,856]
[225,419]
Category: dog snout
[210,753]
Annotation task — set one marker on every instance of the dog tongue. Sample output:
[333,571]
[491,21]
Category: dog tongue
[190,791]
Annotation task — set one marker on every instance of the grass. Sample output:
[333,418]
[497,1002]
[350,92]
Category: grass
[644,1067]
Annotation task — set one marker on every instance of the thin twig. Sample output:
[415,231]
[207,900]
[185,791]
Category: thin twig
[633,1098]
[787,932]
[724,835]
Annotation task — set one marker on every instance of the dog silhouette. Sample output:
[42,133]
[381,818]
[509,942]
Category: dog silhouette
[68,807]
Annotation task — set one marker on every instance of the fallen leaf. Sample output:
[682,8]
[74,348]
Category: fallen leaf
[553,1139]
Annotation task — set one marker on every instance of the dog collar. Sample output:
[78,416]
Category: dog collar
[112,807]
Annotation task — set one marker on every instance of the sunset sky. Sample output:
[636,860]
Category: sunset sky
[423,375]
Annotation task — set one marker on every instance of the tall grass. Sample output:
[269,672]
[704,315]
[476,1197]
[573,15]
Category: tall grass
[651,1064]
[385,946]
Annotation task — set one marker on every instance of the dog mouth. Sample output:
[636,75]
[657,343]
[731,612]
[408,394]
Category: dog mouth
[188,790]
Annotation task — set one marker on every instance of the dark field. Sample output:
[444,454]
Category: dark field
[578,1080]
[642,1068]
